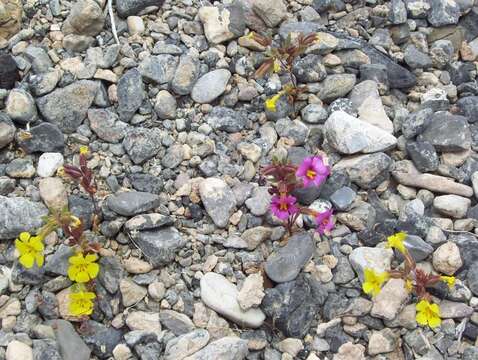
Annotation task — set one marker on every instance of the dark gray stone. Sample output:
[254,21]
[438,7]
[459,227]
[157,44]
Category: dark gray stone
[158,69]
[127,8]
[111,273]
[83,208]
[57,263]
[423,155]
[8,72]
[132,202]
[443,13]
[468,106]
[141,144]
[472,278]
[45,137]
[416,59]
[46,349]
[416,123]
[7,130]
[130,94]
[102,339]
[398,13]
[343,198]
[146,183]
[448,132]
[309,69]
[225,119]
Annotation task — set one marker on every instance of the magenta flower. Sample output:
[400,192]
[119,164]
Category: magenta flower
[325,222]
[283,206]
[313,171]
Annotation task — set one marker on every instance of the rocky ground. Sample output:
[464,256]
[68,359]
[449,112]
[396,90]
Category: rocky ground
[177,132]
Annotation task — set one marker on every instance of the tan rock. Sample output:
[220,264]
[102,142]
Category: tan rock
[447,259]
[10,17]
[349,351]
[17,350]
[53,193]
[392,298]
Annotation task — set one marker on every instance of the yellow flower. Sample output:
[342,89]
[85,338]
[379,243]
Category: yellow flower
[61,171]
[373,281]
[83,269]
[396,241]
[277,66]
[428,314]
[271,104]
[30,249]
[75,222]
[84,150]
[409,285]
[81,303]
[450,280]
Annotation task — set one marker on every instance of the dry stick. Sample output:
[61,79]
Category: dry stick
[112,19]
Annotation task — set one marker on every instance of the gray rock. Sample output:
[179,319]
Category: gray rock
[472,278]
[158,69]
[218,199]
[349,135]
[452,205]
[182,346]
[45,137]
[210,86]
[423,155]
[39,59]
[148,222]
[309,69]
[165,105]
[314,114]
[159,245]
[130,94]
[259,203]
[416,59]
[7,130]
[102,339]
[443,13]
[146,183]
[285,263]
[367,171]
[187,73]
[85,18]
[398,12]
[20,107]
[8,72]
[177,323]
[225,119]
[142,144]
[127,8]
[292,129]
[220,294]
[132,202]
[173,157]
[343,198]
[336,86]
[106,126]
[58,262]
[364,257]
[19,214]
[343,272]
[441,53]
[46,349]
[448,132]
[66,107]
[272,12]
[416,122]
[226,348]
[70,344]
[417,248]
[20,168]
[111,273]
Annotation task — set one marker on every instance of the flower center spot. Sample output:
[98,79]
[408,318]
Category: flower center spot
[311,174]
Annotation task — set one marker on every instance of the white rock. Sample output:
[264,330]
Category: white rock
[452,205]
[227,348]
[290,346]
[447,259]
[377,259]
[122,352]
[48,164]
[252,292]
[141,320]
[216,24]
[135,25]
[182,346]
[221,296]
[391,299]
[131,292]
[17,350]
[349,135]
[53,192]
[21,107]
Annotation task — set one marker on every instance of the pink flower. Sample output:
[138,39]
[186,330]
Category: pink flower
[313,171]
[325,222]
[284,206]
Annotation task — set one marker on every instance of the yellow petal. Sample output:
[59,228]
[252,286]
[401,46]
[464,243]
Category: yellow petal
[93,270]
[91,257]
[82,277]
[90,295]
[435,309]
[36,243]
[40,259]
[24,236]
[422,305]
[72,273]
[434,321]
[421,319]
[76,259]
[21,246]
[367,287]
[27,260]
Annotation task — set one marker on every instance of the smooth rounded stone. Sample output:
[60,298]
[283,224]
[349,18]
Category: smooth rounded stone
[367,171]
[159,245]
[366,99]
[177,323]
[158,69]
[127,8]
[45,137]
[407,174]
[19,214]
[20,107]
[53,193]
[142,144]
[143,321]
[20,168]
[85,18]
[17,350]
[418,249]
[448,132]
[349,135]
[106,126]
[343,198]
[67,107]
[391,299]
[42,84]
[453,310]
[314,114]
[272,12]
[222,24]
[148,222]
[131,293]
[376,259]
[210,86]
[132,202]
[221,295]
[165,105]
[285,264]
[452,205]
[447,259]
[135,25]
[182,346]
[336,86]
[70,344]
[131,94]
[48,164]
[226,348]
[218,200]
[380,342]
[7,130]
[187,73]
[228,120]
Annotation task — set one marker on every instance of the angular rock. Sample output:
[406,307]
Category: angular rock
[7,130]
[210,86]
[367,171]
[127,8]
[252,292]
[130,94]
[185,345]
[217,24]
[448,132]
[102,339]
[48,164]
[376,259]
[349,135]
[285,264]
[218,199]
[272,12]
[453,310]
[187,73]
[141,144]
[85,18]
[177,323]
[391,299]
[45,137]
[70,344]
[8,72]
[225,119]
[336,86]
[443,13]
[105,125]
[423,155]
[227,348]
[221,295]
[447,259]
[148,222]
[132,202]
[158,69]
[452,205]
[67,107]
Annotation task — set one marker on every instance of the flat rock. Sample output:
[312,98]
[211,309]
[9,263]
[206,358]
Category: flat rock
[182,346]
[45,137]
[367,171]
[364,257]
[148,222]
[349,135]
[19,214]
[272,12]
[210,86]
[218,199]
[67,107]
[71,345]
[453,310]
[452,205]
[132,202]
[177,323]
[406,174]
[221,295]
[130,94]
[127,8]
[227,348]
[448,132]
[336,86]
[142,144]
[158,69]
[285,264]
[391,299]
[225,119]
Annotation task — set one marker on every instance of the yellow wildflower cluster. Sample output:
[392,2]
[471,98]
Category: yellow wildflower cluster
[82,269]
[373,281]
[81,303]
[30,249]
[84,150]
[271,103]
[428,314]
[397,241]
